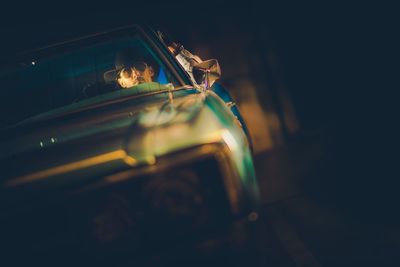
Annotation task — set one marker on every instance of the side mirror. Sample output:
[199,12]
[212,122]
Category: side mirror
[206,72]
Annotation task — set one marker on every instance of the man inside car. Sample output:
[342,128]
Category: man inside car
[131,69]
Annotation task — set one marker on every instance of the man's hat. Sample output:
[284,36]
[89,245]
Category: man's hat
[128,58]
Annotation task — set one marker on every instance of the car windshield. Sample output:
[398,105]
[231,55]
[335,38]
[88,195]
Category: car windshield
[115,67]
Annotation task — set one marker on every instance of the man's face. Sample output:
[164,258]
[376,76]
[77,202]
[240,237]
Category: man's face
[131,76]
[128,78]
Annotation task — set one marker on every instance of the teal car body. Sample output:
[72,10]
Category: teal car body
[125,167]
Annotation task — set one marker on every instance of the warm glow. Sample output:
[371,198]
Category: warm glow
[229,140]
[73,166]
[130,77]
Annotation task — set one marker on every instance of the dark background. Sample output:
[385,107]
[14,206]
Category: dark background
[325,54]
[325,73]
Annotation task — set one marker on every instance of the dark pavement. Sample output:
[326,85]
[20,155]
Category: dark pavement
[310,216]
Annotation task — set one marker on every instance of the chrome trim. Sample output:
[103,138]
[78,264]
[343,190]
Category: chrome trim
[230,104]
[73,166]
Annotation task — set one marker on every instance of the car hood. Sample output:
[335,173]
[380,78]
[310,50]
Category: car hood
[115,136]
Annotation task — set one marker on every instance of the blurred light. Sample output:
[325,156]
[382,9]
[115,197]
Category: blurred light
[229,140]
[253,216]
[73,166]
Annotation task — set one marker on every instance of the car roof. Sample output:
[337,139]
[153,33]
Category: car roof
[78,41]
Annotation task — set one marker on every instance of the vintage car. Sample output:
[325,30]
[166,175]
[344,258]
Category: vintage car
[117,144]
